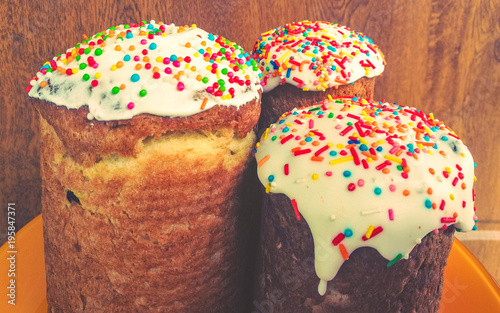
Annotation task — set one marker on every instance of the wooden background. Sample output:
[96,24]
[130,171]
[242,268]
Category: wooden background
[443,57]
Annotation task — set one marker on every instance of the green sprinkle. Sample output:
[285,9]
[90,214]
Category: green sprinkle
[116,90]
[143,92]
[86,77]
[205,80]
[78,57]
[221,82]
[399,167]
[222,50]
[87,50]
[273,138]
[222,88]
[224,71]
[397,258]
[98,51]
[83,66]
[350,124]
[315,109]
[330,115]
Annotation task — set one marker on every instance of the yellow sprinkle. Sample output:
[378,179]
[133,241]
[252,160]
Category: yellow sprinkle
[308,54]
[366,71]
[369,231]
[393,158]
[431,116]
[369,159]
[364,102]
[452,197]
[330,97]
[268,56]
[315,176]
[268,187]
[427,130]
[411,124]
[307,115]
[288,124]
[284,56]
[113,67]
[266,133]
[340,146]
[217,73]
[257,145]
[448,170]
[475,178]
[430,152]
[164,34]
[463,155]
[64,61]
[159,59]
[196,54]
[419,145]
[329,144]
[97,75]
[340,160]
[346,54]
[324,85]
[75,70]
[380,141]
[363,141]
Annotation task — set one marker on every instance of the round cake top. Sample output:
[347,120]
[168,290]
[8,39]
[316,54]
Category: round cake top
[366,173]
[315,56]
[153,68]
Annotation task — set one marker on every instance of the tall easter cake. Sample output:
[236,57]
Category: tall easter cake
[146,133]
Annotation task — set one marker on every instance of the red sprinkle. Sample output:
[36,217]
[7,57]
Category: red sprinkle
[355,156]
[300,152]
[297,214]
[448,220]
[317,153]
[286,138]
[286,169]
[441,206]
[375,232]
[365,163]
[346,130]
[338,239]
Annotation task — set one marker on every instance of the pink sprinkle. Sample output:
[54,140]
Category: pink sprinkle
[143,42]
[168,70]
[136,58]
[130,105]
[328,173]
[165,61]
[435,230]
[338,126]
[180,86]
[392,187]
[311,123]
[361,183]
[391,214]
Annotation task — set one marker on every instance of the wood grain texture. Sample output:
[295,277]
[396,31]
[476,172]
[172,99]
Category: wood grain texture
[443,57]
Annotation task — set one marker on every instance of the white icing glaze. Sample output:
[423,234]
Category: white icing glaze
[124,49]
[406,209]
[341,54]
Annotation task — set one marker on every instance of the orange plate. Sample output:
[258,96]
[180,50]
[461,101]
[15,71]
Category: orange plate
[467,285]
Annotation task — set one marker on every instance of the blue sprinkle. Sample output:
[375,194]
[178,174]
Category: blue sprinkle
[288,71]
[353,141]
[428,203]
[363,147]
[333,153]
[135,78]
[150,26]
[377,190]
[379,148]
[201,51]
[426,138]
[271,178]
[474,227]
[475,164]
[444,138]
[281,122]
[129,35]
[173,58]
[348,232]
[308,139]
[410,148]
[321,112]
[347,174]
[126,58]
[286,129]
[152,46]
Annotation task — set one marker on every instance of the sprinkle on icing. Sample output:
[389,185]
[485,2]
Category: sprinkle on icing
[388,175]
[159,69]
[315,56]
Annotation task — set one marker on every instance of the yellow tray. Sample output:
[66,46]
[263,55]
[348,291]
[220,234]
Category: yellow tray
[468,287]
